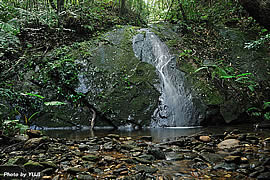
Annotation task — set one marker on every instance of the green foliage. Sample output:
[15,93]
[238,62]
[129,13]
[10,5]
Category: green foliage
[263,112]
[9,42]
[186,53]
[244,79]
[258,43]
[13,127]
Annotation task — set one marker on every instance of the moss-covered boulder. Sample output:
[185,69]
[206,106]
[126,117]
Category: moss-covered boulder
[118,84]
[101,74]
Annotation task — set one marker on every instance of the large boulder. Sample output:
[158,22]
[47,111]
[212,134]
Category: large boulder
[103,75]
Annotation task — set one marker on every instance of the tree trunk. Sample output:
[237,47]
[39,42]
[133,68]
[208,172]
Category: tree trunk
[259,10]
[122,7]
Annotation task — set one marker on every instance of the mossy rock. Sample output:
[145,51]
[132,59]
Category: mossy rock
[105,72]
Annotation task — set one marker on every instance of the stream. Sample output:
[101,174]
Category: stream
[158,134]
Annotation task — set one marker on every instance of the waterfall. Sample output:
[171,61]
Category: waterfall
[175,107]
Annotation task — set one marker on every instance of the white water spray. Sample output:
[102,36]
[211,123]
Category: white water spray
[175,107]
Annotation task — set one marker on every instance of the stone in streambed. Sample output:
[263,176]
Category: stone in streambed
[146,169]
[205,138]
[108,158]
[143,161]
[33,166]
[33,133]
[116,136]
[228,144]
[83,147]
[146,138]
[84,177]
[90,157]
[212,158]
[49,164]
[147,157]
[226,166]
[21,137]
[48,171]
[173,156]
[157,153]
[74,170]
[232,159]
[32,143]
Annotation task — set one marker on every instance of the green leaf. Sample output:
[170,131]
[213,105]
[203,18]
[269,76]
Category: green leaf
[34,95]
[244,74]
[264,30]
[29,119]
[201,68]
[267,116]
[227,77]
[241,78]
[253,109]
[251,87]
[266,105]
[54,103]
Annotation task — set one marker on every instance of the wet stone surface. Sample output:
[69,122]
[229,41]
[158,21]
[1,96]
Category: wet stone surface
[234,155]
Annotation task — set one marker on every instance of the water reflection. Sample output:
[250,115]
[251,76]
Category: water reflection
[158,134]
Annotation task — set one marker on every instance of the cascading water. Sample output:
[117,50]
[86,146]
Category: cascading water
[175,106]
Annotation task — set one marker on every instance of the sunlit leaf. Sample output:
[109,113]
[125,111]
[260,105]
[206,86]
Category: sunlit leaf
[34,95]
[201,68]
[54,103]
[227,77]
[244,74]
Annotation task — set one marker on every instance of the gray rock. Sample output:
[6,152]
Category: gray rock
[83,147]
[48,171]
[147,157]
[90,157]
[157,153]
[147,169]
[74,170]
[173,156]
[212,158]
[32,143]
[84,177]
[226,166]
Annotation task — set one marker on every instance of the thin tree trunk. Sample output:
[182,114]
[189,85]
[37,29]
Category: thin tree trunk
[122,7]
